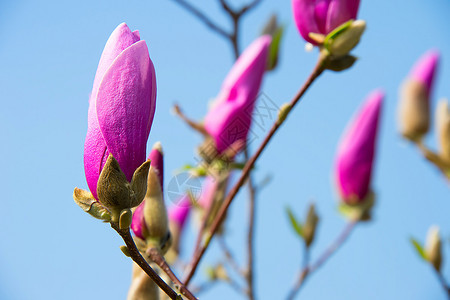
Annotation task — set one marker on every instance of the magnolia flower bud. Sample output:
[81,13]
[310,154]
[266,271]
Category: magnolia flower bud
[433,252]
[356,152]
[443,129]
[229,118]
[150,220]
[309,228]
[322,17]
[121,106]
[121,109]
[414,114]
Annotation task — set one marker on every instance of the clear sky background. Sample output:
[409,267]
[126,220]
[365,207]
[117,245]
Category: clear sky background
[49,51]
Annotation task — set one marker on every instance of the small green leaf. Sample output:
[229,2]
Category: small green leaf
[294,223]
[418,248]
[275,48]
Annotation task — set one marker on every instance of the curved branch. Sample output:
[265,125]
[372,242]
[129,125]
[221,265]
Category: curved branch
[140,261]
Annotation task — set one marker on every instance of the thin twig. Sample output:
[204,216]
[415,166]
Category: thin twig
[443,282]
[250,235]
[194,125]
[229,256]
[249,165]
[202,17]
[235,15]
[140,261]
[156,257]
[311,268]
[303,274]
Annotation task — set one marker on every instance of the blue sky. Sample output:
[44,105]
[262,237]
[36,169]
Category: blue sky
[49,52]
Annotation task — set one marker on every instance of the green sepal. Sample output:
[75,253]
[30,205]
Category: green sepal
[295,224]
[358,211]
[338,64]
[87,202]
[126,216]
[419,248]
[115,192]
[125,250]
[139,183]
[113,189]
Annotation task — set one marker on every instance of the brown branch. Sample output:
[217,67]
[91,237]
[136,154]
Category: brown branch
[140,261]
[250,235]
[193,124]
[303,274]
[309,269]
[156,257]
[443,282]
[249,165]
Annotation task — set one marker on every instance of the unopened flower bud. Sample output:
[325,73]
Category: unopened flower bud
[229,118]
[433,252]
[443,128]
[414,114]
[150,218]
[356,152]
[341,41]
[322,17]
[309,228]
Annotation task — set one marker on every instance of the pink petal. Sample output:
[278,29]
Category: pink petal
[95,151]
[124,106]
[341,11]
[120,39]
[138,221]
[357,149]
[305,18]
[230,117]
[425,69]
[321,13]
[179,212]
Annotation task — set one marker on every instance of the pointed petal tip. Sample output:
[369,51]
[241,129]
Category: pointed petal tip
[157,146]
[425,68]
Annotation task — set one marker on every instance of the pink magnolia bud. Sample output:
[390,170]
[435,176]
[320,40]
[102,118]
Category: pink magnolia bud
[179,212]
[425,69]
[322,16]
[121,106]
[157,164]
[414,108]
[356,151]
[229,118]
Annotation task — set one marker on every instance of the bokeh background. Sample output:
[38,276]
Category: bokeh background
[49,52]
